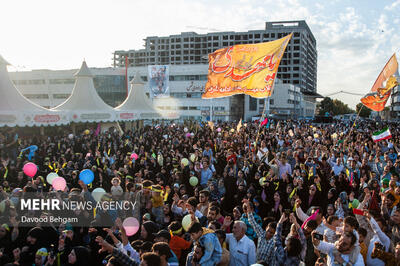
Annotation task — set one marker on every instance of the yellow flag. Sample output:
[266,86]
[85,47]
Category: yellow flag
[244,69]
[211,125]
[239,125]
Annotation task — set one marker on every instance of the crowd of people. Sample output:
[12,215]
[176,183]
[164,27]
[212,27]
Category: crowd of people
[289,193]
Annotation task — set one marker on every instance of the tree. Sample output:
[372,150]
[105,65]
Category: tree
[334,107]
[365,111]
[326,105]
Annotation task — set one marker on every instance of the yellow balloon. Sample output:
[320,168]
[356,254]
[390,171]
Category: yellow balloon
[87,132]
[187,221]
[185,162]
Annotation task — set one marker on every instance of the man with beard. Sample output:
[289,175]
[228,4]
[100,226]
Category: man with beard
[344,245]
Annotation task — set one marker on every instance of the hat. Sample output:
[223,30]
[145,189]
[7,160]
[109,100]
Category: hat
[147,216]
[163,233]
[176,185]
[385,181]
[42,252]
[350,159]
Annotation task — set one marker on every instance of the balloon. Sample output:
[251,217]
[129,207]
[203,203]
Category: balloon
[188,135]
[262,181]
[131,226]
[30,169]
[98,193]
[232,130]
[191,134]
[316,135]
[134,156]
[59,183]
[192,157]
[187,221]
[219,129]
[50,177]
[193,181]
[185,162]
[86,176]
[185,129]
[87,132]
[71,136]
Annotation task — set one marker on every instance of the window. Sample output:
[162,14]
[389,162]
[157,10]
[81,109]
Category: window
[271,101]
[61,95]
[252,104]
[36,96]
[62,81]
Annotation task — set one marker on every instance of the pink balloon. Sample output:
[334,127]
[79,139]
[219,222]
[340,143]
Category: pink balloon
[131,226]
[30,169]
[188,135]
[219,129]
[59,183]
[134,156]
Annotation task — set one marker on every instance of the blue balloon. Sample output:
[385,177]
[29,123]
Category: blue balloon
[87,176]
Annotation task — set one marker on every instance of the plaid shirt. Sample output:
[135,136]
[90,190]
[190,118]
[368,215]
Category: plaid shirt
[265,248]
[123,259]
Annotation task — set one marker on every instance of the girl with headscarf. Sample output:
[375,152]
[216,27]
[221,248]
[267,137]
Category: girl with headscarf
[79,256]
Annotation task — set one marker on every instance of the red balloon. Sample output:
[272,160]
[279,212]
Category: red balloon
[30,169]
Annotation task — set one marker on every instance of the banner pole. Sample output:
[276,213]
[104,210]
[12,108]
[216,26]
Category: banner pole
[354,123]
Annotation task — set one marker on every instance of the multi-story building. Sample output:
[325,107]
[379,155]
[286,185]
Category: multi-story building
[298,65]
[395,103]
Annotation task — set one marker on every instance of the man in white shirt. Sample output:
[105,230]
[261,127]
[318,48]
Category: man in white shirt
[344,246]
[242,248]
[262,153]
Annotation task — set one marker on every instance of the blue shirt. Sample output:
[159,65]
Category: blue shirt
[206,174]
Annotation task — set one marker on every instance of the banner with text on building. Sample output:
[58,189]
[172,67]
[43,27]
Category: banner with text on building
[244,68]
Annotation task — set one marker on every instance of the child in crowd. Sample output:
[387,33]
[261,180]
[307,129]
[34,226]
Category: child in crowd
[116,189]
[157,203]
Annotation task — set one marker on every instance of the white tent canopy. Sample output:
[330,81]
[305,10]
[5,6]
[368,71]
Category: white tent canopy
[84,104]
[16,110]
[138,105]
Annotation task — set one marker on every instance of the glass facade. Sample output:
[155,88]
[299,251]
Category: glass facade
[111,88]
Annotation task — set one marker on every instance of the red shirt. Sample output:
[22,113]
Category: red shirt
[177,244]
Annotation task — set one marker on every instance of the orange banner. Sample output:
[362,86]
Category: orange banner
[244,68]
[388,70]
[379,95]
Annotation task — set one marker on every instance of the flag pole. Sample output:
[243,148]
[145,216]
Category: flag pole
[354,123]
[261,119]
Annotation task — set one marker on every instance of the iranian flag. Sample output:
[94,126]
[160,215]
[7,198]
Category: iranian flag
[381,135]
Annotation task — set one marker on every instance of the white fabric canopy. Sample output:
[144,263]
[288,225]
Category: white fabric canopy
[138,105]
[16,110]
[84,104]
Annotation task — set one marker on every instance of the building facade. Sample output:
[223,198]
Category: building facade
[50,88]
[395,104]
[298,65]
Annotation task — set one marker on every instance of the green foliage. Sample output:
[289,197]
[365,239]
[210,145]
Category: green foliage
[334,107]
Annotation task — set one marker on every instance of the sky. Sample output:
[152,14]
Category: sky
[355,38]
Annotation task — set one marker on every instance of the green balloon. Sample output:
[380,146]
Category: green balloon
[193,181]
